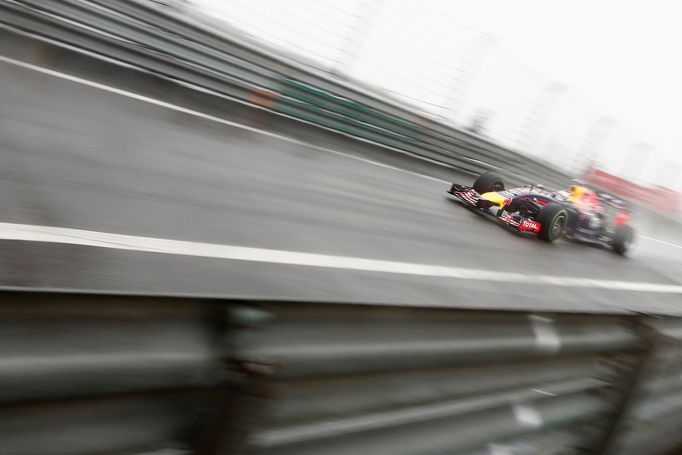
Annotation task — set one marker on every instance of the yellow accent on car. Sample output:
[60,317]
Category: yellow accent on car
[494,197]
[576,193]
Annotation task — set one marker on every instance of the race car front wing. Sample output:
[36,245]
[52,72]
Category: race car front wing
[465,193]
[516,222]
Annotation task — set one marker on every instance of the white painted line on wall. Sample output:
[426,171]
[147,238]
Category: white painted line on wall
[33,233]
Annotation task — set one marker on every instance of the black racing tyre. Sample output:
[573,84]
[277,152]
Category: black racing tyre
[488,182]
[623,238]
[553,219]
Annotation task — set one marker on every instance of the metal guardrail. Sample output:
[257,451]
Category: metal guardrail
[366,380]
[86,373]
[155,38]
[90,375]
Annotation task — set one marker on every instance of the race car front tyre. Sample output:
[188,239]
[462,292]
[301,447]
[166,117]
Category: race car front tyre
[488,182]
[622,239]
[553,219]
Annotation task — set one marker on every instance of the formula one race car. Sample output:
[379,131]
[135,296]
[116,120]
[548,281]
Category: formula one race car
[580,214]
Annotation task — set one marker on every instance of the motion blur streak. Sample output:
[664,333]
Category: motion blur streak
[156,245]
[662,241]
[210,249]
[202,115]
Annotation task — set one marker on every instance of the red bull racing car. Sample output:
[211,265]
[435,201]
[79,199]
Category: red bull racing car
[580,214]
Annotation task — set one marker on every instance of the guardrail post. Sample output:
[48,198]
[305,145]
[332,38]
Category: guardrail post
[244,392]
[633,373]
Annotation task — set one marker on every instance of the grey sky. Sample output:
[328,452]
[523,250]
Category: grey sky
[624,56]
[618,59]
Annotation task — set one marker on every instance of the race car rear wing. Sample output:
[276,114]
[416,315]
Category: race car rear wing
[612,201]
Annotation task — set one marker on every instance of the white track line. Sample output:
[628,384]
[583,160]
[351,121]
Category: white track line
[32,233]
[212,118]
[660,241]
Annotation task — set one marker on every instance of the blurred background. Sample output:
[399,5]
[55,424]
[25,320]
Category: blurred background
[572,86]
[224,228]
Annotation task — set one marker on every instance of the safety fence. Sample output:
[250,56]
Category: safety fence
[157,39]
[87,374]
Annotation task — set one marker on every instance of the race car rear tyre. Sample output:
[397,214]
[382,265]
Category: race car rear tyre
[552,219]
[488,182]
[622,239]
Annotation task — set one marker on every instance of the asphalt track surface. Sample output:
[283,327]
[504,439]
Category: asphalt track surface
[83,157]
